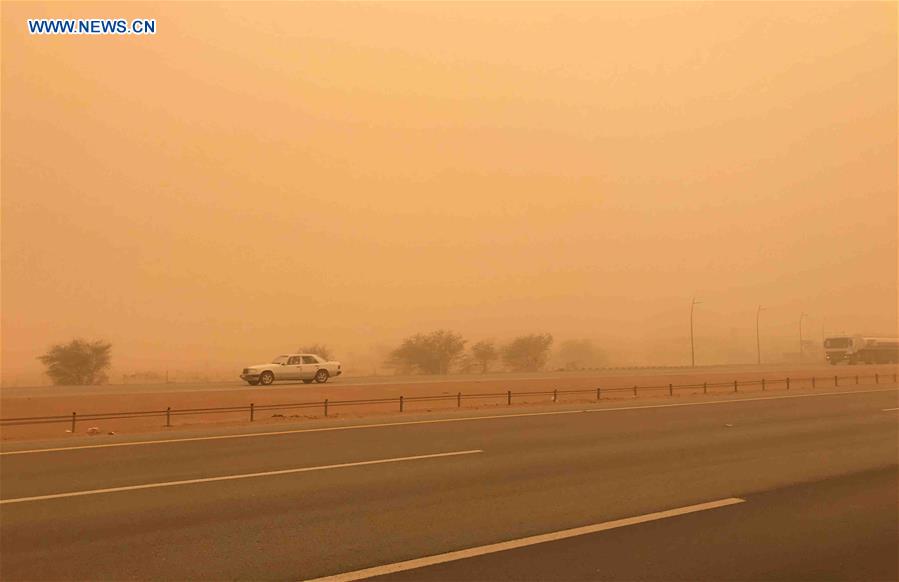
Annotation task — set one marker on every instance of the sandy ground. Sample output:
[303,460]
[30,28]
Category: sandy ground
[478,392]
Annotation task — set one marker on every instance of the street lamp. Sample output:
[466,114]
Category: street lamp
[693,303]
[801,315]
[758,342]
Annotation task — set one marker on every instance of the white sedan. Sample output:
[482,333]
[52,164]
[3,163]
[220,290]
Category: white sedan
[305,367]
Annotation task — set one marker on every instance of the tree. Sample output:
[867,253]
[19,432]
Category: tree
[484,352]
[317,349]
[431,353]
[580,353]
[464,363]
[528,353]
[78,363]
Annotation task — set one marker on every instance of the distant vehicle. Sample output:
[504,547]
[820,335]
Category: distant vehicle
[305,367]
[861,350]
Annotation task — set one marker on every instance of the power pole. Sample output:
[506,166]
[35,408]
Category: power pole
[758,341]
[693,303]
[801,315]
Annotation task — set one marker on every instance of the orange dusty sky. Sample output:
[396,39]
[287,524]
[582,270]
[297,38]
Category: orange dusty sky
[257,176]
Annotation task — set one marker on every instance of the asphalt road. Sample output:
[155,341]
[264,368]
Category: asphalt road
[835,529]
[778,370]
[816,473]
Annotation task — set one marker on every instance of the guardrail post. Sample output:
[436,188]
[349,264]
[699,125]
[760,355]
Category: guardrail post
[735,385]
[252,412]
[598,394]
[509,397]
[836,381]
[856,379]
[788,382]
[326,407]
[459,400]
[555,394]
[763,384]
[635,390]
[705,387]
[877,378]
[670,389]
[813,381]
[168,417]
[401,403]
[73,423]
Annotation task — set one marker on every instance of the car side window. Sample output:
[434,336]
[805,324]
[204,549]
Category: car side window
[309,360]
[293,360]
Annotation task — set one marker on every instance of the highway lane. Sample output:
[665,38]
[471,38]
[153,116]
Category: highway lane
[771,370]
[843,528]
[195,456]
[536,474]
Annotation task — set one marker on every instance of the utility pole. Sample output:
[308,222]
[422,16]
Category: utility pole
[693,303]
[801,315]
[758,341]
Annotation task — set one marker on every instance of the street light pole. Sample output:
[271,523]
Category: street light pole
[758,341]
[801,315]
[693,303]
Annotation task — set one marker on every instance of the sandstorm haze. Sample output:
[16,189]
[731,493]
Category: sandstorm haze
[259,176]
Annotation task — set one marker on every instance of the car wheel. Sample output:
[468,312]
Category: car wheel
[307,381]
[321,376]
[253,382]
[266,378]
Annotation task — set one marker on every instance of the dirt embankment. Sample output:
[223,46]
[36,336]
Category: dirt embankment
[383,398]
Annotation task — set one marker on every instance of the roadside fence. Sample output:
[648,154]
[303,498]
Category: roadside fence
[401,403]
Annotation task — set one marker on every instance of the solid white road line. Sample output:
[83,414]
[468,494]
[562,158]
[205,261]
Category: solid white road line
[234,477]
[523,542]
[889,409]
[435,421]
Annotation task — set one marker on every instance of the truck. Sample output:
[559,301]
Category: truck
[858,349]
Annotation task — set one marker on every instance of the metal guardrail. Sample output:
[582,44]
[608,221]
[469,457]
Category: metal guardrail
[508,396]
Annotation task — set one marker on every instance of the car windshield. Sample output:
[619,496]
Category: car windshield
[279,360]
[836,342]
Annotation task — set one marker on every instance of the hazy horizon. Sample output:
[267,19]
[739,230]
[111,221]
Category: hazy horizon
[256,177]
